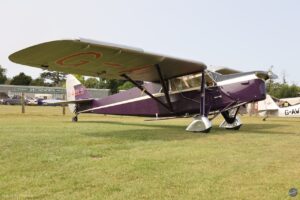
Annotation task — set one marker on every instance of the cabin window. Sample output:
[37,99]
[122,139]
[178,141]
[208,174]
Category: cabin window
[189,82]
[185,82]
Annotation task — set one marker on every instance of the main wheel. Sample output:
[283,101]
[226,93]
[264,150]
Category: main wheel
[237,127]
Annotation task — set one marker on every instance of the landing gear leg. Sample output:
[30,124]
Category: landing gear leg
[75,118]
[235,125]
[265,117]
[231,122]
[201,122]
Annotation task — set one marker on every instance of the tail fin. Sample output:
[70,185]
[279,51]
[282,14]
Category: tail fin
[267,104]
[75,91]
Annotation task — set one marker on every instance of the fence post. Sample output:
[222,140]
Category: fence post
[64,106]
[23,102]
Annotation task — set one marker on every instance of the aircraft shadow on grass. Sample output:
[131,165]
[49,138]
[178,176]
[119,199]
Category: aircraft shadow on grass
[151,131]
[262,128]
[176,132]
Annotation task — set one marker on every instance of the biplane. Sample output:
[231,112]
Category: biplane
[165,86]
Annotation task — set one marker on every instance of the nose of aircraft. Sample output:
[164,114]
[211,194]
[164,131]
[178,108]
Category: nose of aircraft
[266,75]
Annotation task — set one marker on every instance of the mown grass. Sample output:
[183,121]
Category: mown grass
[43,155]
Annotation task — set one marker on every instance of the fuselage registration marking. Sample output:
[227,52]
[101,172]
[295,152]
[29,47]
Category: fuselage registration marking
[294,111]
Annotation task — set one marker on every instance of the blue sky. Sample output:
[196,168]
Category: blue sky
[244,35]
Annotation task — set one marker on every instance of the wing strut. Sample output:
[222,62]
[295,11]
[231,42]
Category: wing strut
[146,91]
[165,87]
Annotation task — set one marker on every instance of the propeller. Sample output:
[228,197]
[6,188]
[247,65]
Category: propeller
[267,75]
[271,74]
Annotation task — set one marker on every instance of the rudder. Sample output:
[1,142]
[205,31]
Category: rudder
[75,91]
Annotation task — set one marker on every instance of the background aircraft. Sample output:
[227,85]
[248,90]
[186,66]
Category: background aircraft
[279,108]
[171,86]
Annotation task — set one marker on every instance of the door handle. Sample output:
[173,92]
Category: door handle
[245,83]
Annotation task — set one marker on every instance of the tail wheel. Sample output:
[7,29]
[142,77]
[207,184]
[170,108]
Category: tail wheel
[75,119]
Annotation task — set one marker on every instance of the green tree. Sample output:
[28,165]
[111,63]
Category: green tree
[3,77]
[127,85]
[294,91]
[282,90]
[21,79]
[38,82]
[80,78]
[92,83]
[103,83]
[114,84]
[7,82]
[57,78]
[100,83]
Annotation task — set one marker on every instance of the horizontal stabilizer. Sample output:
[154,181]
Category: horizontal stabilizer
[73,102]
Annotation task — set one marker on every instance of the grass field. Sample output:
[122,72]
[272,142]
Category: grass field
[45,156]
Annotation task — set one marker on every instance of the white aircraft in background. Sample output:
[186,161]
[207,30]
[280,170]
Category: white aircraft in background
[269,107]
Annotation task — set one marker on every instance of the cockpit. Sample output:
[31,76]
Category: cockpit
[190,82]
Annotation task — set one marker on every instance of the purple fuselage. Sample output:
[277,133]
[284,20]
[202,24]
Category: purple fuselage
[217,98]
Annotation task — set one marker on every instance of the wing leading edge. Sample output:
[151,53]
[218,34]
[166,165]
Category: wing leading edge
[91,58]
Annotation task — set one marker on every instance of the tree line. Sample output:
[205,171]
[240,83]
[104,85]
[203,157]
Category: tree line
[282,90]
[57,79]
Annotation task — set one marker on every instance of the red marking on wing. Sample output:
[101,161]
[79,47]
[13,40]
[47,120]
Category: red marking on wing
[62,61]
[112,64]
[141,71]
